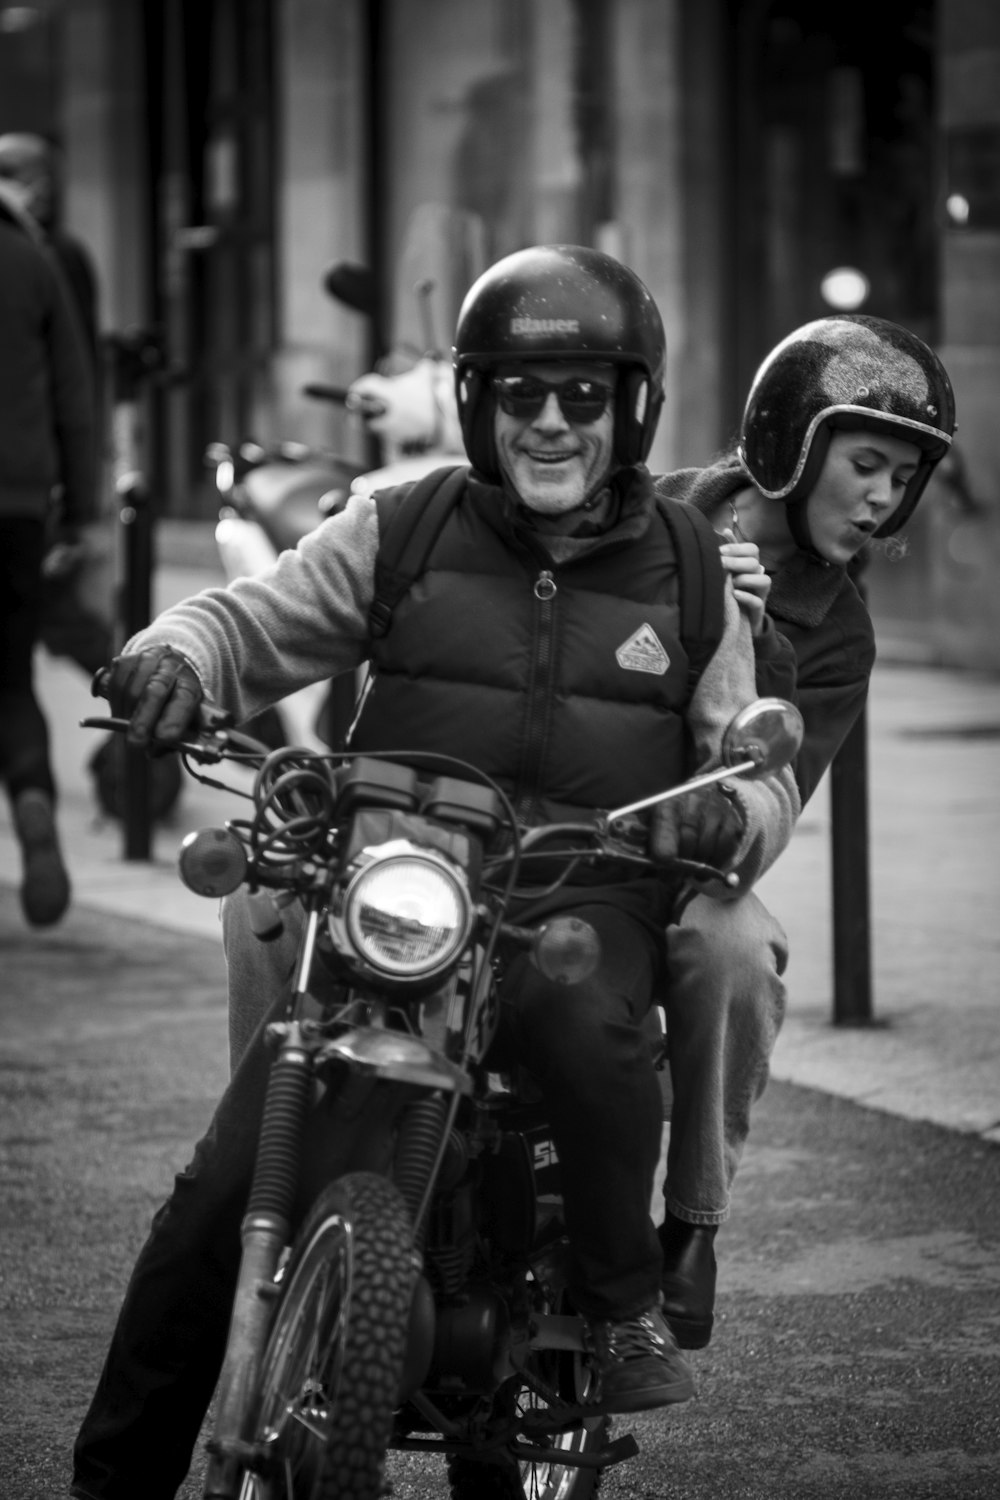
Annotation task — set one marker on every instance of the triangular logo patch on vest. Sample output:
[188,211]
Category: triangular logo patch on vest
[642,652]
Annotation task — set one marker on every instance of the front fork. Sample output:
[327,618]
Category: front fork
[265,1233]
[266,1227]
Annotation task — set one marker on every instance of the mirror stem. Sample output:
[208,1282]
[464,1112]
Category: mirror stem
[694,785]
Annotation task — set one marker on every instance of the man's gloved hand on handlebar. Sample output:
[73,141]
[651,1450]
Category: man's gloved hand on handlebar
[707,825]
[158,691]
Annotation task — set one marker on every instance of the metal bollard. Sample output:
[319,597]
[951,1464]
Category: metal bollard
[852,966]
[852,987]
[136,609]
[136,357]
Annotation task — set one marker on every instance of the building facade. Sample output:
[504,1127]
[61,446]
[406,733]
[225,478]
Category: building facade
[758,163]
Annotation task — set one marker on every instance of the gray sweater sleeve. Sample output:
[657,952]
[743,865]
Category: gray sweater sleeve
[303,620]
[771,805]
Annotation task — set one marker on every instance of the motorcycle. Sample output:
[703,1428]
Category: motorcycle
[402,1284]
[270,497]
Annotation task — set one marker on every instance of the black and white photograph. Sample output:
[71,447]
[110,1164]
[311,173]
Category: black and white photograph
[500,750]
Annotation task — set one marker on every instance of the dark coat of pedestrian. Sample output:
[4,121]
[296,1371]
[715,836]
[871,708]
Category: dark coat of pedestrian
[48,455]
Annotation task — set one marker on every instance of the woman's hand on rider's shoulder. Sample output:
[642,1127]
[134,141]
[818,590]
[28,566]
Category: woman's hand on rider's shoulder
[751,584]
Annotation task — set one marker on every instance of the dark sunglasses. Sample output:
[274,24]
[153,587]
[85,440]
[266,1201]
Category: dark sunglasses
[523,396]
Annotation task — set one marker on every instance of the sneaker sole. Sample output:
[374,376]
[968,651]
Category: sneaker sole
[643,1400]
[45,891]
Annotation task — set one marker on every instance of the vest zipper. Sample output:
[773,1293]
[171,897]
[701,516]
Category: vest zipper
[539,700]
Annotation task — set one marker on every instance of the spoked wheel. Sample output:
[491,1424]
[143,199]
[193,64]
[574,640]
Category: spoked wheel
[332,1368]
[521,1479]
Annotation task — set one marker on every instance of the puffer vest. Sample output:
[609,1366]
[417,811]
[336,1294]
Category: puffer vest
[566,683]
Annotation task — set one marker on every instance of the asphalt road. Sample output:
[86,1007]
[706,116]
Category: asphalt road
[857,1351]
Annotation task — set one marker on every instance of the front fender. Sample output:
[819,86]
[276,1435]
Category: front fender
[352,1128]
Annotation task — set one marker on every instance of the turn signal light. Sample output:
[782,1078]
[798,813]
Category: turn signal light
[566,950]
[212,862]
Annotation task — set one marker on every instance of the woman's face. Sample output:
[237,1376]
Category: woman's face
[860,484]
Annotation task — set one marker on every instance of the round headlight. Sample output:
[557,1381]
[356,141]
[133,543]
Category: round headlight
[407,915]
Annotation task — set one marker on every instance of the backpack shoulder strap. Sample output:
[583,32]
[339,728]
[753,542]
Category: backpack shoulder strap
[407,534]
[702,580]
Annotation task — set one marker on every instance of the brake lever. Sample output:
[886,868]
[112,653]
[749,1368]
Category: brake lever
[696,869]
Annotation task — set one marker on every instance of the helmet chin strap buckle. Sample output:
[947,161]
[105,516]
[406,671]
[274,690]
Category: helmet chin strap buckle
[597,498]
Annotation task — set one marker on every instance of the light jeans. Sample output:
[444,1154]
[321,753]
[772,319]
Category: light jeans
[725,1002]
[257,972]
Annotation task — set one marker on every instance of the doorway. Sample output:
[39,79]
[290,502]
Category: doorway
[834,182]
[211,170]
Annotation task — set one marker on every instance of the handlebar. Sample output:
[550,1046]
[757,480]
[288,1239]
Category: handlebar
[319,391]
[210,718]
[216,739]
[598,834]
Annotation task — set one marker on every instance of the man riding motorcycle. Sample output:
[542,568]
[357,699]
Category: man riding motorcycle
[542,644]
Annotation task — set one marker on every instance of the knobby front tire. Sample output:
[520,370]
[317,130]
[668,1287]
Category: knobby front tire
[331,1373]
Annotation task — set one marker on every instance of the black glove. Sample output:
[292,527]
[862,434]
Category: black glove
[710,826]
[158,692]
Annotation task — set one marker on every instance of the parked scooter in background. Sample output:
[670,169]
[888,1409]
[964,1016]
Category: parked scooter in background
[410,410]
[271,497]
[268,499]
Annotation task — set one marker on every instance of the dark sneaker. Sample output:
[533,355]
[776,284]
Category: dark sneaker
[45,886]
[638,1364]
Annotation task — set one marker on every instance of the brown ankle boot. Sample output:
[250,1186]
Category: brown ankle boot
[45,888]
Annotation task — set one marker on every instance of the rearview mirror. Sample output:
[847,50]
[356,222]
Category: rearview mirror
[767,732]
[762,738]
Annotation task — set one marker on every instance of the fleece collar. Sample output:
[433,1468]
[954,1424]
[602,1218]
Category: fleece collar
[804,588]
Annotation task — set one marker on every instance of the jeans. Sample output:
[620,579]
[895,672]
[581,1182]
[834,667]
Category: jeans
[167,1347]
[586,1050]
[726,1003]
[24,736]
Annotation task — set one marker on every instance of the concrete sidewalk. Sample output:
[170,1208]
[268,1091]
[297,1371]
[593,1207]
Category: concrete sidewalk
[934,790]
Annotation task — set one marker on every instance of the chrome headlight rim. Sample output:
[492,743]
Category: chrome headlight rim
[377,863]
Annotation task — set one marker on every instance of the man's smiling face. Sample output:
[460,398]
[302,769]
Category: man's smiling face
[553,463]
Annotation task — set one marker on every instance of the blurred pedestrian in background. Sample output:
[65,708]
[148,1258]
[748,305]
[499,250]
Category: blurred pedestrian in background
[76,603]
[48,453]
[30,164]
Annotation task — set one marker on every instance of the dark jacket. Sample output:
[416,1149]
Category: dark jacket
[308,618]
[75,262]
[819,646]
[48,433]
[567,682]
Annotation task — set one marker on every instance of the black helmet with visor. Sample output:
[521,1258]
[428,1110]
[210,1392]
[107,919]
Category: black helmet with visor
[848,371]
[553,303]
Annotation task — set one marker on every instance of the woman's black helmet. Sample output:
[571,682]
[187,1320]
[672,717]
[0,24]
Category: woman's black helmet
[847,371]
[560,302]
